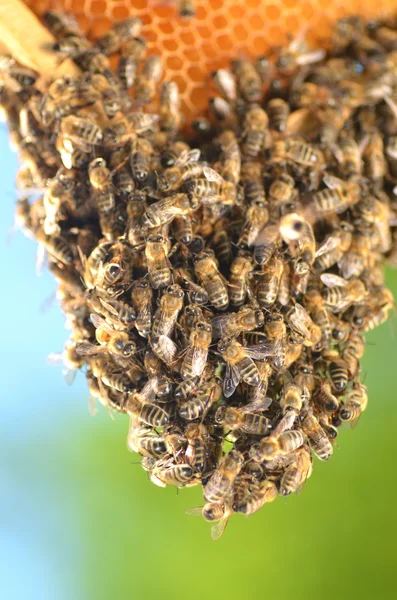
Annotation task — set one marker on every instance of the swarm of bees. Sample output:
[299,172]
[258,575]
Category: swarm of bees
[217,286]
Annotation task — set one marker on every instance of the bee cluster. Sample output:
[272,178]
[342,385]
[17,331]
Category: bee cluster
[217,291]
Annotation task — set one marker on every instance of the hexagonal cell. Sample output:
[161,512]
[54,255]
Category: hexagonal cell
[240,32]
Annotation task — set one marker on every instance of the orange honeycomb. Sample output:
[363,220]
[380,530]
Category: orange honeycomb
[221,29]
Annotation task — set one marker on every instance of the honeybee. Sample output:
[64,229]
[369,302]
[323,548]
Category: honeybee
[165,210]
[171,152]
[185,167]
[248,79]
[221,482]
[300,321]
[297,54]
[214,511]
[318,439]
[132,51]
[115,276]
[243,419]
[57,247]
[140,440]
[314,302]
[295,475]
[142,299]
[325,398]
[206,268]
[119,314]
[212,189]
[81,131]
[269,282]
[278,111]
[337,199]
[170,107]
[111,41]
[226,84]
[229,166]
[14,77]
[110,373]
[305,378]
[240,271]
[200,403]
[197,438]
[233,324]
[357,258]
[115,342]
[240,364]
[355,404]
[146,83]
[378,311]
[110,94]
[282,190]
[195,358]
[61,24]
[375,164]
[340,294]
[159,268]
[100,178]
[334,247]
[350,163]
[222,245]
[165,472]
[257,216]
[297,232]
[250,503]
[140,407]
[257,394]
[276,445]
[276,331]
[256,135]
[170,304]
[141,152]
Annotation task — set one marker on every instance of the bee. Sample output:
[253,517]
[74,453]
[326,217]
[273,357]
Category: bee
[118,313]
[256,136]
[250,503]
[61,24]
[197,438]
[159,268]
[257,395]
[379,312]
[282,190]
[221,482]
[109,373]
[240,271]
[214,511]
[355,404]
[170,107]
[299,235]
[269,282]
[350,163]
[100,178]
[303,154]
[140,407]
[142,299]
[240,364]
[257,216]
[185,167]
[132,52]
[117,343]
[110,95]
[243,419]
[297,54]
[295,475]
[166,473]
[338,198]
[334,247]
[171,152]
[196,355]
[254,191]
[276,331]
[81,131]
[212,189]
[233,324]
[325,398]
[165,210]
[294,349]
[375,164]
[206,269]
[146,83]
[226,84]
[111,41]
[248,80]
[278,111]
[140,440]
[318,439]
[198,405]
[141,152]
[299,319]
[314,302]
[165,317]
[276,445]
[356,259]
[230,160]
[340,293]
[115,276]
[305,379]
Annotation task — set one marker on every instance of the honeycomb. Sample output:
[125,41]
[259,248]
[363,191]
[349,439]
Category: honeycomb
[221,29]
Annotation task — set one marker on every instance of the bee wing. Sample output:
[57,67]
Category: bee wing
[328,245]
[197,510]
[88,349]
[333,182]
[55,358]
[148,392]
[268,235]
[168,348]
[218,325]
[261,351]
[212,175]
[331,280]
[301,320]
[99,321]
[257,405]
[186,157]
[310,57]
[69,375]
[285,424]
[218,529]
[199,359]
[108,307]
[231,381]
